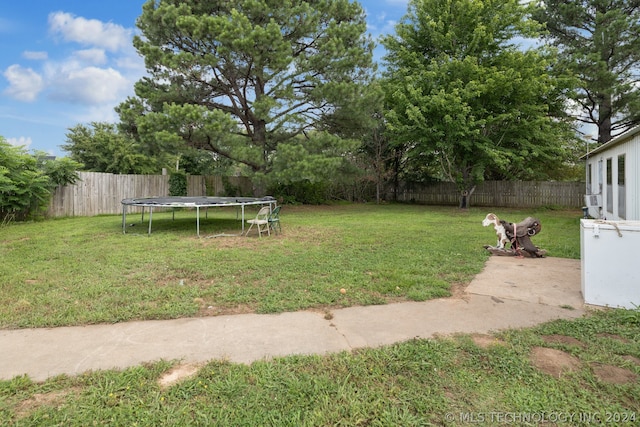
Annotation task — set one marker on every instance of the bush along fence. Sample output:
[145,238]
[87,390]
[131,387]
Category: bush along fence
[510,194]
[98,193]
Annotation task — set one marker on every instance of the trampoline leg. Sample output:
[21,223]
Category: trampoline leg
[150,218]
[198,220]
[242,232]
[124,219]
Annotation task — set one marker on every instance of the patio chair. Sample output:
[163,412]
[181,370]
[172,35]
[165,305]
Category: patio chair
[274,220]
[261,221]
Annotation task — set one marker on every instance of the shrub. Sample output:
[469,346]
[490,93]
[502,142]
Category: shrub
[27,181]
[178,183]
[230,190]
[305,192]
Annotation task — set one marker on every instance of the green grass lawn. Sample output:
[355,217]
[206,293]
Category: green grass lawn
[85,270]
[443,381]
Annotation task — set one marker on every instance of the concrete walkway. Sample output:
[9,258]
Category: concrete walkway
[509,293]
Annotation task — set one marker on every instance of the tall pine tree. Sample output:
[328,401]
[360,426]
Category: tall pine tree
[259,82]
[599,41]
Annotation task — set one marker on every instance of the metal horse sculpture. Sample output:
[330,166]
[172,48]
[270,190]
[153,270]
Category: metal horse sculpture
[518,236]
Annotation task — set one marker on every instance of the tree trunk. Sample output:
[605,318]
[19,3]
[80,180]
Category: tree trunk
[465,196]
[464,200]
[396,173]
[604,121]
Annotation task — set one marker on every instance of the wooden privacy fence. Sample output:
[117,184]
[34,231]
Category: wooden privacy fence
[513,194]
[98,193]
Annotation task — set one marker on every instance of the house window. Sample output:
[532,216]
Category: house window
[622,201]
[609,184]
[589,179]
[600,176]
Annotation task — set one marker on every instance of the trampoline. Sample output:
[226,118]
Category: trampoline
[192,202]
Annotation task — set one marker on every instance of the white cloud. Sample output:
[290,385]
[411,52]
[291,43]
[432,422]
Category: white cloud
[382,21]
[20,142]
[90,32]
[89,85]
[38,56]
[91,56]
[83,78]
[99,113]
[24,83]
[132,61]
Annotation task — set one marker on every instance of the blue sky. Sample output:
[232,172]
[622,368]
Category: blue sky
[66,62]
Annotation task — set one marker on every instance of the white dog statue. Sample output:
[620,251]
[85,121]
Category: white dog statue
[492,219]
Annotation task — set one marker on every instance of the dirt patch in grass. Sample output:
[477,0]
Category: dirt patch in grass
[459,291]
[632,359]
[553,362]
[177,374]
[614,374]
[613,337]
[486,341]
[207,310]
[38,400]
[230,242]
[563,339]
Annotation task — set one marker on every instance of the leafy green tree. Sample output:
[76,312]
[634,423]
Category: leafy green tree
[202,162]
[464,97]
[375,154]
[260,82]
[62,171]
[102,147]
[27,181]
[598,41]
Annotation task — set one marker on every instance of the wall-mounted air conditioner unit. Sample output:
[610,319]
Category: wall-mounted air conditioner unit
[593,202]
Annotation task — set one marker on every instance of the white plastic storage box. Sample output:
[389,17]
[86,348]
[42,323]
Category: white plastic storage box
[610,261]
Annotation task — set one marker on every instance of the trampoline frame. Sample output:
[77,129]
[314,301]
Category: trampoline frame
[192,202]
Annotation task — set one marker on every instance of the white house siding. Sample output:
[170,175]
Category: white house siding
[629,146]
